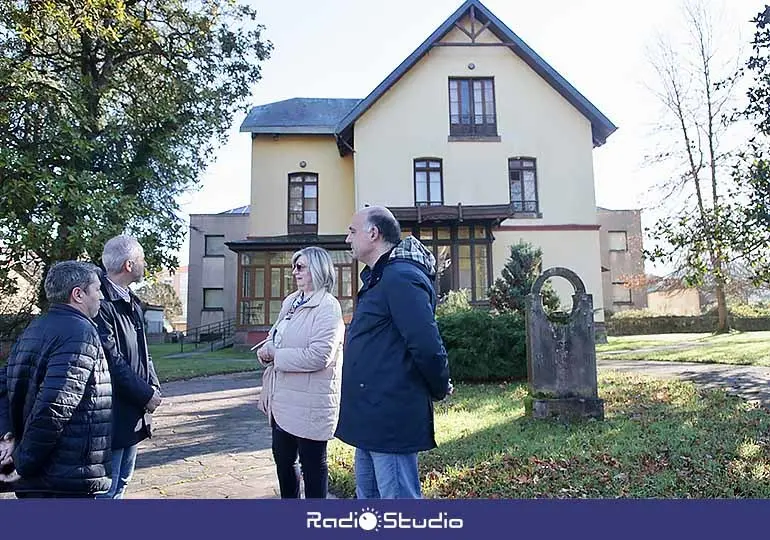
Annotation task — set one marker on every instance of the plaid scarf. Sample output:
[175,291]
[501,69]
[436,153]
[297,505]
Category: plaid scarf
[412,249]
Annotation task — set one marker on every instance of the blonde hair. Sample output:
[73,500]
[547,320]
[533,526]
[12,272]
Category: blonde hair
[322,272]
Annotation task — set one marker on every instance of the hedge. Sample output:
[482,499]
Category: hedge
[484,347]
[681,325]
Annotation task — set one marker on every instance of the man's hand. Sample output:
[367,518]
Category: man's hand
[7,446]
[154,402]
[12,476]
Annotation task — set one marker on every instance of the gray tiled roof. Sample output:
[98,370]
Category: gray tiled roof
[298,115]
[239,210]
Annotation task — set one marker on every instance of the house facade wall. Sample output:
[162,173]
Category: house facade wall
[577,250]
[675,302]
[215,272]
[274,158]
[622,266]
[411,120]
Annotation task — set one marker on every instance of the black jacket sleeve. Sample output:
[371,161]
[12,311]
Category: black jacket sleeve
[5,417]
[125,382]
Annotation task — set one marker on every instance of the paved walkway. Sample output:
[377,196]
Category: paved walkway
[209,441]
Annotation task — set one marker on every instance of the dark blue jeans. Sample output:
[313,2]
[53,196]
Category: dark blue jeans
[312,457]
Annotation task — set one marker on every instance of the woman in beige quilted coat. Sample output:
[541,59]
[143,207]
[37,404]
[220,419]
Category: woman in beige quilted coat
[302,395]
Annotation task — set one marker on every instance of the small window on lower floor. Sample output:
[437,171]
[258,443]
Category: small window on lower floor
[214,299]
[621,293]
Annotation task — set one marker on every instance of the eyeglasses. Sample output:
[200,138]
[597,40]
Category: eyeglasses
[299,267]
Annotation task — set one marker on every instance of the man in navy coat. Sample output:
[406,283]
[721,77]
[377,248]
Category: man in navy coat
[395,362]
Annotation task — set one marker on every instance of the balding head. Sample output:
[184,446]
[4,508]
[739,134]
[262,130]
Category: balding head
[386,223]
[373,231]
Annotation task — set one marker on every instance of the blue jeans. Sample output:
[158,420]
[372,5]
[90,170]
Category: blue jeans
[123,463]
[386,476]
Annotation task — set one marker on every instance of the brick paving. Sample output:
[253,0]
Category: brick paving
[209,441]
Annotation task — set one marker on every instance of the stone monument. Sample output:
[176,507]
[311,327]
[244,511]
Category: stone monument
[561,355]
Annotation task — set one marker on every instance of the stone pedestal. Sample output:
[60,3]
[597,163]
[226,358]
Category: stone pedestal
[561,355]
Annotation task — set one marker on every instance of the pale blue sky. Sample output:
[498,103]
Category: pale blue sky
[344,48]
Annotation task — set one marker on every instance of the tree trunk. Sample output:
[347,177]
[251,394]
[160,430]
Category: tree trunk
[42,301]
[724,322]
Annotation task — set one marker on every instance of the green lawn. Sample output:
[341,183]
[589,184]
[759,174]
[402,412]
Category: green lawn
[744,348]
[198,364]
[659,439]
[618,343]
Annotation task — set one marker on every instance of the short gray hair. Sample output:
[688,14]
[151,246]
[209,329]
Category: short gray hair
[118,250]
[320,265]
[63,277]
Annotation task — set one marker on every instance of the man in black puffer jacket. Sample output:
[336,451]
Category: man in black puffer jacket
[56,395]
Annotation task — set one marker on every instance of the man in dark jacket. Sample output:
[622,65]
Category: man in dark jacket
[395,363]
[55,395]
[136,390]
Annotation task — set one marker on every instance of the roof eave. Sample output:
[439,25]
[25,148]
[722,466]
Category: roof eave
[601,126]
[402,68]
[293,130]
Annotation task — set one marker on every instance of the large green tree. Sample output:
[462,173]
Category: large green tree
[753,171]
[110,109]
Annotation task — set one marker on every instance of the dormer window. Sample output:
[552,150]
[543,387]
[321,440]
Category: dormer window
[428,182]
[472,107]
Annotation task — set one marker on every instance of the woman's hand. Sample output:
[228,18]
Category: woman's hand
[266,353]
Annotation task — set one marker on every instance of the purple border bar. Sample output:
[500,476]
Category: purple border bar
[461,519]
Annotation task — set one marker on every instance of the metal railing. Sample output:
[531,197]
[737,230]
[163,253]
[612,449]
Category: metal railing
[213,336]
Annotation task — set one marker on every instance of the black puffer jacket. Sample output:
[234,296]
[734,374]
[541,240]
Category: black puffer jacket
[121,328]
[56,398]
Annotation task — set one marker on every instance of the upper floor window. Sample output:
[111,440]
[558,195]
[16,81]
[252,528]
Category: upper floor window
[618,240]
[428,182]
[303,203]
[215,245]
[472,107]
[522,174]
[621,293]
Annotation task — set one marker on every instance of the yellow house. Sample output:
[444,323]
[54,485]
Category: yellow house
[474,142]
